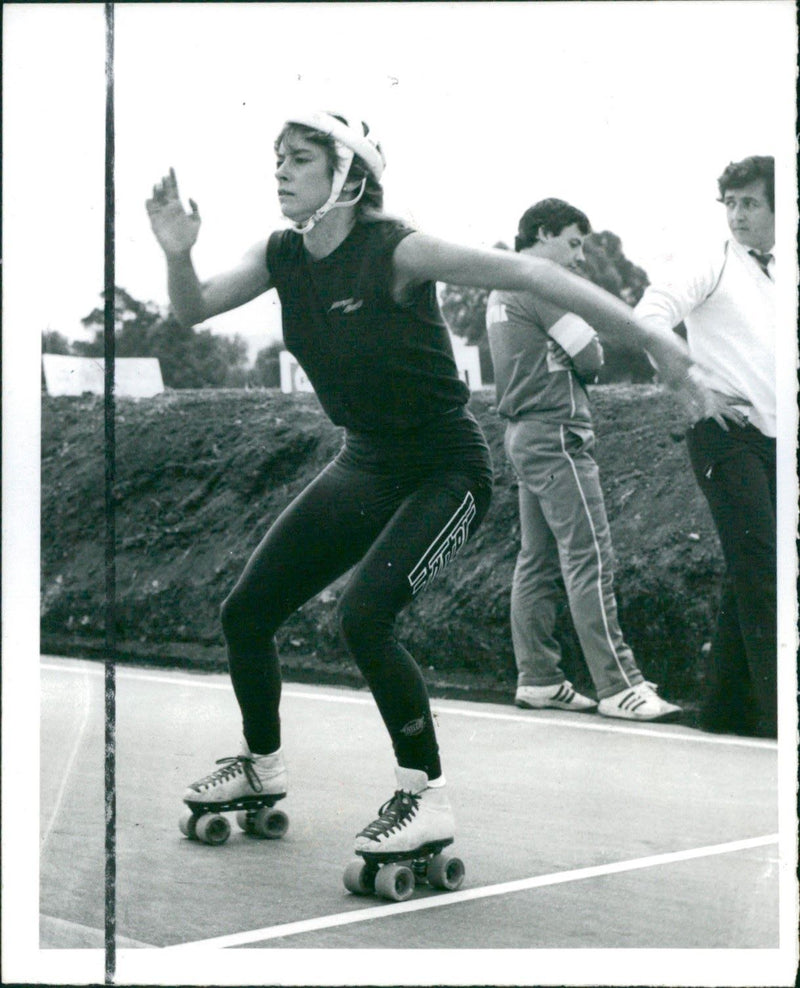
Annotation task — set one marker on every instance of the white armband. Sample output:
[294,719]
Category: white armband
[495,312]
[572,333]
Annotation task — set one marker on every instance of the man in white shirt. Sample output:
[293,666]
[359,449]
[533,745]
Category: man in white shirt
[727,303]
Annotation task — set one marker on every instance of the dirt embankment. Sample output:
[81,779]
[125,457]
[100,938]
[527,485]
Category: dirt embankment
[201,474]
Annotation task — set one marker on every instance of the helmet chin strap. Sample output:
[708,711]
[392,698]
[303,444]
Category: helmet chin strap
[349,141]
[340,175]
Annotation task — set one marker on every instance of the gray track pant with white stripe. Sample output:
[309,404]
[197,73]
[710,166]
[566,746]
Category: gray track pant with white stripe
[564,532]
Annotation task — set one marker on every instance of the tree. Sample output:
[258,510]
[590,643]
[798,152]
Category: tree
[55,342]
[266,372]
[464,311]
[189,357]
[607,266]
[133,323]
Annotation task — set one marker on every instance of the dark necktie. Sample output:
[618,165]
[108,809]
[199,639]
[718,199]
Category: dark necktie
[763,261]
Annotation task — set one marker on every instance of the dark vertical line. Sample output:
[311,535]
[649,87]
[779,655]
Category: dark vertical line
[110,554]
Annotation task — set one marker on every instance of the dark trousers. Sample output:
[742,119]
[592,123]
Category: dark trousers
[736,473]
[397,522]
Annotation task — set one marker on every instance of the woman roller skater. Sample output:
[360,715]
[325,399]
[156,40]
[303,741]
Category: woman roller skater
[413,479]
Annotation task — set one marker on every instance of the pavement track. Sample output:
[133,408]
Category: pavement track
[577,832]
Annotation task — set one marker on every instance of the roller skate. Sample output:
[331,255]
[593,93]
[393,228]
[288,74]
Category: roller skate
[248,784]
[404,846]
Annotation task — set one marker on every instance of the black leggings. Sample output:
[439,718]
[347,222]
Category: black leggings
[398,530]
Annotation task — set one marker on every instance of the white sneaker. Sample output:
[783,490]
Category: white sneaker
[561,696]
[640,702]
[415,816]
[245,777]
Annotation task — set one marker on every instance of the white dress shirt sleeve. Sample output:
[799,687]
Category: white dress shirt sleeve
[678,292]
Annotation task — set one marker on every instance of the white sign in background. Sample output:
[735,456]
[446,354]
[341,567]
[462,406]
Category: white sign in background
[134,377]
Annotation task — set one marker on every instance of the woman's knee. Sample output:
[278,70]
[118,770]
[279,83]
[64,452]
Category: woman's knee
[230,613]
[348,620]
[243,619]
[362,623]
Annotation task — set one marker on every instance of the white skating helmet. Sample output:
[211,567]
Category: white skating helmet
[351,139]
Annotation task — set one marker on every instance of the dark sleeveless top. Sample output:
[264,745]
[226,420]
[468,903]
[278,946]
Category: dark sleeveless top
[376,366]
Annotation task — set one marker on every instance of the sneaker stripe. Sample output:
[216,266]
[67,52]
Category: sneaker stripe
[639,703]
[564,694]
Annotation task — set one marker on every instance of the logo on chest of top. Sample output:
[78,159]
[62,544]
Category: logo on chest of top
[347,305]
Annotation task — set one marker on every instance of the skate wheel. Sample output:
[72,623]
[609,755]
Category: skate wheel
[446,872]
[395,881]
[212,828]
[244,821]
[359,878]
[187,824]
[270,823]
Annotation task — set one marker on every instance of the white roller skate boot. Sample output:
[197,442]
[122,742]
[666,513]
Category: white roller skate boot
[405,844]
[417,814]
[248,783]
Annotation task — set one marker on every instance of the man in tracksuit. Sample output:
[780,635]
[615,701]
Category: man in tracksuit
[543,358]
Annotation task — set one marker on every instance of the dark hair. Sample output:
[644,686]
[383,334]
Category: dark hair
[741,173]
[372,201]
[552,215]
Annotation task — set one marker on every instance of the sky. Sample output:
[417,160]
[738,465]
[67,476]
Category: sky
[628,110]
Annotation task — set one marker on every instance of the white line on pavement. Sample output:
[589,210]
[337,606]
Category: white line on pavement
[67,934]
[66,775]
[468,895]
[534,718]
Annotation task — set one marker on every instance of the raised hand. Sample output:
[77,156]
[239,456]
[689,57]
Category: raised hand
[174,228]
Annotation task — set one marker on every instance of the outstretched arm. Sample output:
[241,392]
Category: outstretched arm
[176,231]
[420,258]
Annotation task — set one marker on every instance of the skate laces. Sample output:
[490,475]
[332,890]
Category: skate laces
[393,815]
[230,768]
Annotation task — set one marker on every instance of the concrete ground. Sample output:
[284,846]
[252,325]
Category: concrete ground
[585,840]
